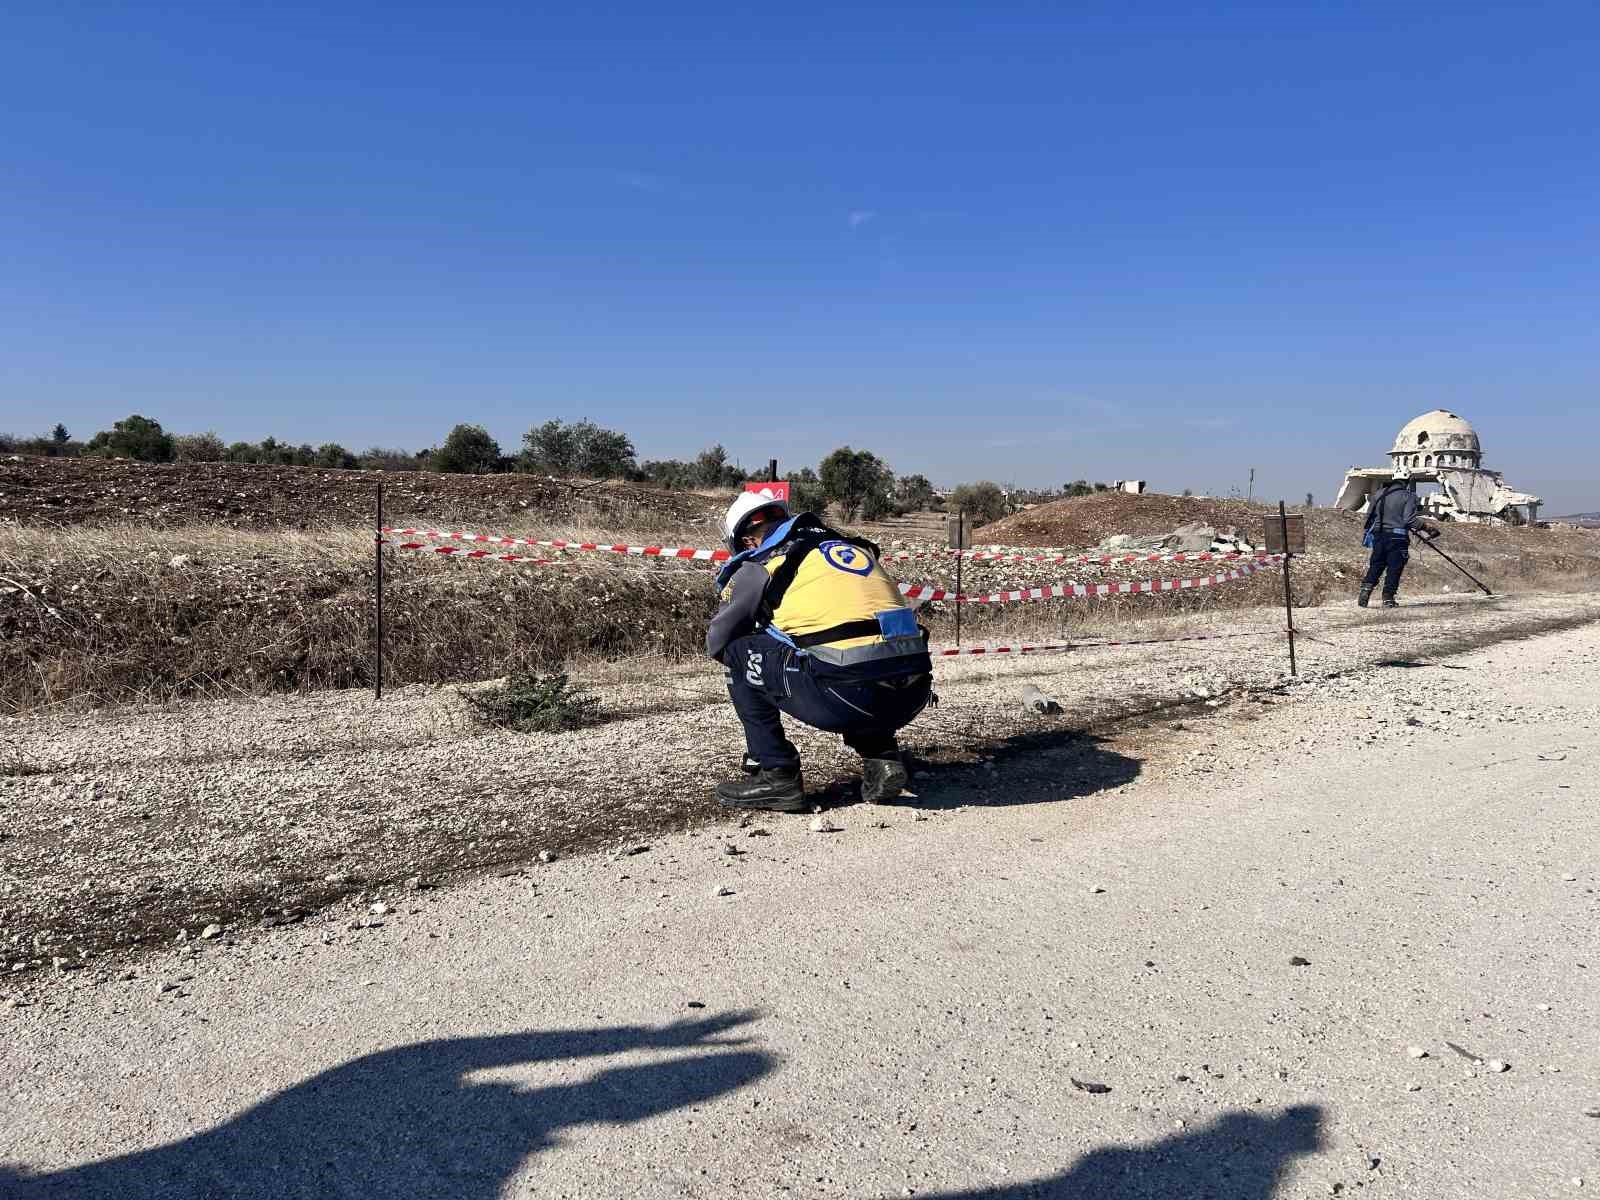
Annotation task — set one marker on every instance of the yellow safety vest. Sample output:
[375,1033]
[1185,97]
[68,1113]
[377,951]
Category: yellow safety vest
[835,584]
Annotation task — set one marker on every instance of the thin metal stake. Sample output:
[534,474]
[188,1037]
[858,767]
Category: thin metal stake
[961,554]
[1288,595]
[377,556]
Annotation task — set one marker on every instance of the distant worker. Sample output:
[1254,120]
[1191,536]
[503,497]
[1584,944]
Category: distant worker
[1392,518]
[810,625]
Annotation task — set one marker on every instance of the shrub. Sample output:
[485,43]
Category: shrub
[581,448]
[530,703]
[468,450]
[713,470]
[913,493]
[199,447]
[134,437]
[982,501]
[331,454]
[382,458]
[805,492]
[858,481]
[668,473]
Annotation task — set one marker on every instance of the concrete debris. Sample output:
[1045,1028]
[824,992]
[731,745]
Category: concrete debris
[821,824]
[547,856]
[1416,1052]
[1498,1066]
[1036,701]
[211,931]
[1193,538]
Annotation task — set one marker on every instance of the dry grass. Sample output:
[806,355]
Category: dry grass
[101,615]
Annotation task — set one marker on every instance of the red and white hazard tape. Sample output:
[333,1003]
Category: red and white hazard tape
[922,591]
[952,651]
[463,552]
[1082,559]
[461,535]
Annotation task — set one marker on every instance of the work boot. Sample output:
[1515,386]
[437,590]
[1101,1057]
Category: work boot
[882,779]
[776,789]
[1361,600]
[1390,602]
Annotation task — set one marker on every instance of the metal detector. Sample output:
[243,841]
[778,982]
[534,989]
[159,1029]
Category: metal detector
[1428,542]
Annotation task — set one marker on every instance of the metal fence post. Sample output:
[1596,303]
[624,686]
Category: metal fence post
[961,554]
[1288,594]
[377,557]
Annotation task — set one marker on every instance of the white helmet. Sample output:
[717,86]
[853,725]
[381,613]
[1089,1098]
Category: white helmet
[747,505]
[1402,475]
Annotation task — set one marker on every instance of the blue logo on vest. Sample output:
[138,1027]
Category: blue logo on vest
[845,557]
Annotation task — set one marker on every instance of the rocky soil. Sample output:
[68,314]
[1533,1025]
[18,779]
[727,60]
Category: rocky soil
[124,828]
[97,491]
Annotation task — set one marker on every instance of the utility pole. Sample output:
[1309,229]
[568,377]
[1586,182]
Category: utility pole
[1250,493]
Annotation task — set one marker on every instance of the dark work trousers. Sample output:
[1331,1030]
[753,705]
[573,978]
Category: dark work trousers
[1390,552]
[767,678]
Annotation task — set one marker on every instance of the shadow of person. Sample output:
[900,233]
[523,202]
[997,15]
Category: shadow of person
[1240,1156]
[1037,767]
[409,1123]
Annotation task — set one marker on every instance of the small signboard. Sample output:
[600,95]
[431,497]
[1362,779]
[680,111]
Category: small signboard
[960,529]
[777,489]
[1296,528]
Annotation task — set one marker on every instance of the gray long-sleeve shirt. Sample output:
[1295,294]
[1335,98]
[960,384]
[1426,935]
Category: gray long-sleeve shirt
[737,616]
[1394,510]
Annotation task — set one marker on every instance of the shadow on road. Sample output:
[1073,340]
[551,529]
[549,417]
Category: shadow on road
[1029,768]
[410,1123]
[1238,1157]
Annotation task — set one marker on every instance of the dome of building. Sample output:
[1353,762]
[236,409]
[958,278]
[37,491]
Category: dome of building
[1437,439]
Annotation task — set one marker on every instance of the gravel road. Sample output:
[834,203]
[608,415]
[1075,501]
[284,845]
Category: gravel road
[1311,940]
[125,827]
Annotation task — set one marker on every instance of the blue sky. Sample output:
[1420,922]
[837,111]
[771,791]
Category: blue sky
[1031,242]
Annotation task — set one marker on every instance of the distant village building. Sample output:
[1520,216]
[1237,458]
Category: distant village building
[1440,447]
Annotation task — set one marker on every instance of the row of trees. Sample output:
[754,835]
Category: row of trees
[858,481]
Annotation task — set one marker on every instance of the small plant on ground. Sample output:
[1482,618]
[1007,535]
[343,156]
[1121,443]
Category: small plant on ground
[531,703]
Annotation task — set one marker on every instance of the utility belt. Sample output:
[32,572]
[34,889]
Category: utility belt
[901,649]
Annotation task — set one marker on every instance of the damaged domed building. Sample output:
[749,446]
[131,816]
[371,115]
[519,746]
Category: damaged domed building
[1440,447]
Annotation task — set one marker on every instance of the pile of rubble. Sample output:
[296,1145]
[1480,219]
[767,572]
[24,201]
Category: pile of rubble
[1194,538]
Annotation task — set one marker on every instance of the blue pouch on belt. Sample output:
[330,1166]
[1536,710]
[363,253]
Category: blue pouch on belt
[897,623]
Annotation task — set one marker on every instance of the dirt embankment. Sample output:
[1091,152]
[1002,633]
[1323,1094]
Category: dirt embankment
[89,491]
[1505,557]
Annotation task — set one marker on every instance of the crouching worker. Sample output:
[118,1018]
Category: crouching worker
[810,625]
